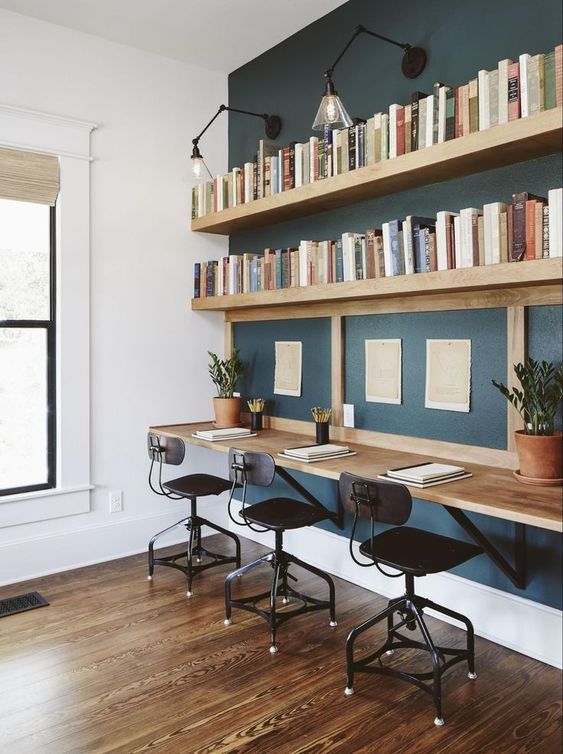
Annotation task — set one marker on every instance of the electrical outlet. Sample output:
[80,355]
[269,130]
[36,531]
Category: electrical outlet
[116,501]
[348,411]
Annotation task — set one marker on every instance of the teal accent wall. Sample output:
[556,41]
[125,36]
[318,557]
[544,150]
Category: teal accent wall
[287,80]
[485,424]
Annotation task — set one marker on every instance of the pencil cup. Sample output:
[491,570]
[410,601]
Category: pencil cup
[321,431]
[256,420]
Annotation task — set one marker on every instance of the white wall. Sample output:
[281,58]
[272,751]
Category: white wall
[148,350]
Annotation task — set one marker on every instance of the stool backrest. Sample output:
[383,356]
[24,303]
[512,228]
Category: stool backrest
[386,502]
[255,468]
[165,449]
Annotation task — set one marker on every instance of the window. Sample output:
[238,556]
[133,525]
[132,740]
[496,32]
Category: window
[27,347]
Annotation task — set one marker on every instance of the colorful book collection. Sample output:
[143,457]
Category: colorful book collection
[530,227]
[512,90]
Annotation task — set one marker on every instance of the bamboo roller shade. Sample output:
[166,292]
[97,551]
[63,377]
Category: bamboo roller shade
[29,176]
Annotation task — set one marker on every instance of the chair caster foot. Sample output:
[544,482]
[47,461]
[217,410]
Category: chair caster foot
[390,652]
[227,621]
[439,721]
[332,623]
[472,675]
[285,601]
[348,691]
[149,578]
[273,649]
[189,594]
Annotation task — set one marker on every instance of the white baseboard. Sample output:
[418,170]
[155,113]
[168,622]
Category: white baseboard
[527,627]
[84,546]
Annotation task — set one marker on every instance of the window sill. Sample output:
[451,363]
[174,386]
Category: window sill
[42,505]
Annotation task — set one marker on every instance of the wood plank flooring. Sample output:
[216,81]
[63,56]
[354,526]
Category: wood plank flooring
[120,664]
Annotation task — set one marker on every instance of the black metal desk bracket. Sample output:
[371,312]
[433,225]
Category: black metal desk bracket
[337,517]
[516,573]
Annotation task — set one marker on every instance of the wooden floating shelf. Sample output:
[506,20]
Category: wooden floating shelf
[525,139]
[537,272]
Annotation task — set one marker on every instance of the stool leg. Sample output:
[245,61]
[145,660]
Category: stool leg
[436,668]
[230,534]
[152,543]
[232,576]
[189,592]
[329,581]
[470,634]
[277,565]
[353,635]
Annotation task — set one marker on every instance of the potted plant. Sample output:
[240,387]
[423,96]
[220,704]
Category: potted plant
[539,446]
[225,373]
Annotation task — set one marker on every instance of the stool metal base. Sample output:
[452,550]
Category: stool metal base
[280,562]
[194,550]
[410,610]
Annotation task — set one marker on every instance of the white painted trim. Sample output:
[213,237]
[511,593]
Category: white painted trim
[59,120]
[44,493]
[33,509]
[528,627]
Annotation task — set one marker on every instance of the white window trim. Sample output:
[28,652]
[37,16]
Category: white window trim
[69,139]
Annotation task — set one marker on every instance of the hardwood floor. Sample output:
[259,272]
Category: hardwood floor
[120,664]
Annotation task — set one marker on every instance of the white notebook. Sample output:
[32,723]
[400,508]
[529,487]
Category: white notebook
[314,451]
[213,434]
[425,472]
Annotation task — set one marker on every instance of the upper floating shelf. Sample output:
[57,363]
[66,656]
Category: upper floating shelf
[525,139]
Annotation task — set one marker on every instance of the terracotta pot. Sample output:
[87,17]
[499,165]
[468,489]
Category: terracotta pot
[541,457]
[227,412]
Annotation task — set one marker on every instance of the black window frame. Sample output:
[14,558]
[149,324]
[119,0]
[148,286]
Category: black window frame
[50,326]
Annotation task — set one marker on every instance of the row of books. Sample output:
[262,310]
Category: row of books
[512,90]
[530,227]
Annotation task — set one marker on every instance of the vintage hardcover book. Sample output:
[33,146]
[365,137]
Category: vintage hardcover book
[197,278]
[379,256]
[481,238]
[483,91]
[422,122]
[493,98]
[524,61]
[442,112]
[377,137]
[519,200]
[530,211]
[444,239]
[370,253]
[339,262]
[549,80]
[393,130]
[352,154]
[473,106]
[469,236]
[361,145]
[298,167]
[400,136]
[436,110]
[265,149]
[359,256]
[539,230]
[450,114]
[559,76]
[195,211]
[384,136]
[535,89]
[545,232]
[555,199]
[429,136]
[345,149]
[465,110]
[514,91]
[370,141]
[322,158]
[408,127]
[327,171]
[503,236]
[503,67]
[415,107]
[396,246]
[255,178]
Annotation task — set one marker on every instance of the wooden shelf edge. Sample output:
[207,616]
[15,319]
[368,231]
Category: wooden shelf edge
[508,275]
[528,138]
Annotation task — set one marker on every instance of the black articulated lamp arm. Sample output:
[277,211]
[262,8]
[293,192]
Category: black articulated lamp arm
[414,59]
[272,122]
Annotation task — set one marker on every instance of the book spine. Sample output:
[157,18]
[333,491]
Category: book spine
[530,229]
[358,258]
[483,92]
[422,121]
[549,80]
[534,98]
[370,141]
[197,279]
[408,126]
[545,232]
[361,145]
[493,98]
[400,138]
[524,61]
[370,253]
[379,256]
[503,67]
[442,113]
[292,165]
[339,262]
[397,257]
[352,133]
[513,91]
[465,111]
[415,101]
[450,114]
[429,136]
[559,76]
[435,111]
[519,225]
[327,172]
[384,136]
[432,262]
[473,106]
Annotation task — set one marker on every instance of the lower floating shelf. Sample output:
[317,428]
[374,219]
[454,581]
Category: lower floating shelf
[533,273]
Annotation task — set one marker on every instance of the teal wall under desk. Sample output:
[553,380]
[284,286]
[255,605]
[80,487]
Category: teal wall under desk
[461,38]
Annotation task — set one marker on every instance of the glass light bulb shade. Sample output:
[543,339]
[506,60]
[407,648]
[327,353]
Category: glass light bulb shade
[331,113]
[197,167]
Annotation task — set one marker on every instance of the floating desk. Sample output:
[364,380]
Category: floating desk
[490,491]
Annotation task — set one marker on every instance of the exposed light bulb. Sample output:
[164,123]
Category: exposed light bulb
[331,108]
[197,167]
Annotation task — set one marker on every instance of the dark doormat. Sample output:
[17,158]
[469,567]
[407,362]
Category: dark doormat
[21,603]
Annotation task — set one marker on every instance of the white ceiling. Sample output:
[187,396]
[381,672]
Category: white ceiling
[217,34]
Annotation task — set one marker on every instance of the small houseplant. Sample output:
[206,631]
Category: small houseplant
[537,400]
[225,373]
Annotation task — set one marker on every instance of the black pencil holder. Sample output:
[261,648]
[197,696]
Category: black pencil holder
[321,433]
[256,420]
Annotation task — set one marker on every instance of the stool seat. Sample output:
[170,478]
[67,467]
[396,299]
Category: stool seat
[418,552]
[197,485]
[281,513]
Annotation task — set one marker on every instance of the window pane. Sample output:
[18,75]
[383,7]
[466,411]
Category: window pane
[24,260]
[23,407]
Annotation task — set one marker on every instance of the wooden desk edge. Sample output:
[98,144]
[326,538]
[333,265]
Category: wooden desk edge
[436,494]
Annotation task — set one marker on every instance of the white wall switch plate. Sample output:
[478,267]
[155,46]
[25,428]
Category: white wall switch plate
[348,411]
[116,501]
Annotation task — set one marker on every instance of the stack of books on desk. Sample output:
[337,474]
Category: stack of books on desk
[229,433]
[312,453]
[426,474]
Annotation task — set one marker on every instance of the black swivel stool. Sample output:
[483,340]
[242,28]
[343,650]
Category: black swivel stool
[171,450]
[276,514]
[412,552]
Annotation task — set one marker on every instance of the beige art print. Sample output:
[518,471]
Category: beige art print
[383,371]
[448,374]
[287,373]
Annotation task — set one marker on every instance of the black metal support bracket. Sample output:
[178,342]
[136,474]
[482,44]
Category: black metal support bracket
[336,516]
[517,572]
